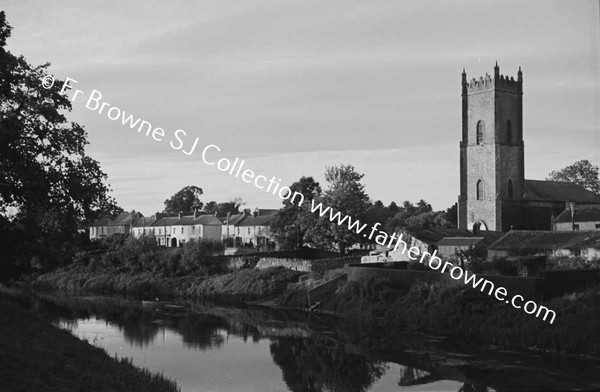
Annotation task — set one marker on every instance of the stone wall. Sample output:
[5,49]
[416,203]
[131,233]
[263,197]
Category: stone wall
[306,265]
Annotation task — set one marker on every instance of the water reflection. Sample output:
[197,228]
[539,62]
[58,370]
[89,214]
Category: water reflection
[205,347]
[318,364]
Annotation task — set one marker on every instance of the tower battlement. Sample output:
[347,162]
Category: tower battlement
[497,82]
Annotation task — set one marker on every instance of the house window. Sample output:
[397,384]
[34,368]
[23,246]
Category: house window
[597,225]
[159,231]
[193,229]
[508,132]
[480,190]
[181,229]
[480,130]
[575,227]
[510,189]
[248,231]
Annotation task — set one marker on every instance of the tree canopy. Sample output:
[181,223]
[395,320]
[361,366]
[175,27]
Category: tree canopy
[581,172]
[49,185]
[347,195]
[292,223]
[185,201]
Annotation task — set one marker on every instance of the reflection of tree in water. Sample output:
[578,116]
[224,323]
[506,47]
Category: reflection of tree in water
[412,376]
[313,365]
[467,387]
[201,331]
[138,330]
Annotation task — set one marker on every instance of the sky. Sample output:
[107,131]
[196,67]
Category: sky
[292,87]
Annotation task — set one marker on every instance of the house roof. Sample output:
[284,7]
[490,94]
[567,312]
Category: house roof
[233,219]
[558,191]
[459,241]
[165,221]
[189,220]
[210,220]
[583,213]
[101,222]
[547,240]
[122,219]
[257,220]
[144,221]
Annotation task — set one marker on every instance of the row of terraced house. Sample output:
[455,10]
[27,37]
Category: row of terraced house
[248,229]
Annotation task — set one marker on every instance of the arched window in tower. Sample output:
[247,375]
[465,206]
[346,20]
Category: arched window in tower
[510,189]
[480,130]
[508,132]
[479,190]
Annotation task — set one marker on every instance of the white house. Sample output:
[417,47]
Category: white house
[194,227]
[255,231]
[143,226]
[228,229]
[584,217]
[119,225]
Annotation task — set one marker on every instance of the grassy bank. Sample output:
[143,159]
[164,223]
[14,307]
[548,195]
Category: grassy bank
[36,356]
[468,315]
[247,284]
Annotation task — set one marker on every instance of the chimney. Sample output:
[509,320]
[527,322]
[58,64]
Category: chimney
[179,215]
[196,214]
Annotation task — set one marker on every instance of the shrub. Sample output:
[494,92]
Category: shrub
[198,256]
[570,262]
[81,259]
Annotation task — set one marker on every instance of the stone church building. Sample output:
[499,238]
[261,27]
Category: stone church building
[494,195]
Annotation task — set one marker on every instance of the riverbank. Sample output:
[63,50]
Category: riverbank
[467,315]
[452,310]
[37,356]
[238,286]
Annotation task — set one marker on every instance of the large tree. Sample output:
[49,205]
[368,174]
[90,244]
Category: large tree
[410,210]
[581,172]
[347,195]
[231,207]
[49,185]
[292,222]
[222,209]
[185,201]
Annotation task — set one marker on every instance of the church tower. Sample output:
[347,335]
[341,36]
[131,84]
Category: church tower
[491,152]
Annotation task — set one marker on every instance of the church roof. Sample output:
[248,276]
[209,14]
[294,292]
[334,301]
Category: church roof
[558,191]
[432,235]
[547,240]
[582,214]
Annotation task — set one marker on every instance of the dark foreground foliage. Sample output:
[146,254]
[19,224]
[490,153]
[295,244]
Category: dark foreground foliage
[36,356]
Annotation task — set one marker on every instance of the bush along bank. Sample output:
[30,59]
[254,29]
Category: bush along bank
[468,315]
[140,267]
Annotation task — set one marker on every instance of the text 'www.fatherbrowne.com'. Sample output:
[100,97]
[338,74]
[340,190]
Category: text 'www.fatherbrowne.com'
[456,272]
[178,141]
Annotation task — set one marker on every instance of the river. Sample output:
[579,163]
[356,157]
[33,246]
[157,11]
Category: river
[217,348]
